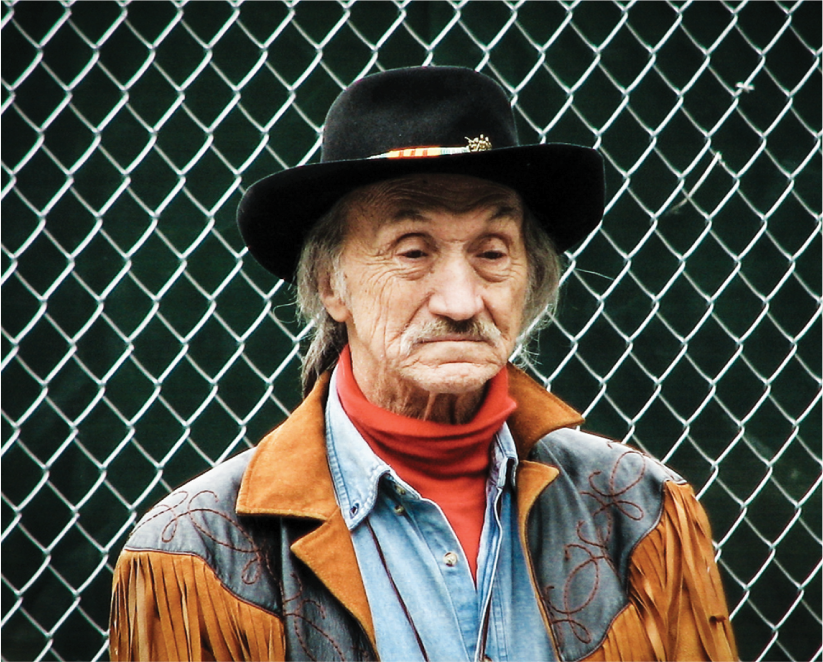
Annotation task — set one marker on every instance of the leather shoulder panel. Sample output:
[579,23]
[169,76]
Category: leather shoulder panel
[199,519]
[583,529]
[251,556]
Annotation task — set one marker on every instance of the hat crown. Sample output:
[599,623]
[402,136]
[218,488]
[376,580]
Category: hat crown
[417,107]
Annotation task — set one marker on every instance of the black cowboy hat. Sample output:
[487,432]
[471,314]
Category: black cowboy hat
[421,120]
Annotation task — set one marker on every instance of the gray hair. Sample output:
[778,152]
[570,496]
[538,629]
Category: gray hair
[320,259]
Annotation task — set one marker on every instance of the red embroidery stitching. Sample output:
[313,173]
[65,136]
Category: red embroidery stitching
[297,614]
[190,512]
[609,499]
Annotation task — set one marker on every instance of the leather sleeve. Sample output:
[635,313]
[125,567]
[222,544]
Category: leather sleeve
[172,607]
[677,609]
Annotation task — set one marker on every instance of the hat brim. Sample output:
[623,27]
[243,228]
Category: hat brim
[563,185]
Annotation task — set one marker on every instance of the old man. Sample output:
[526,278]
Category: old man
[427,500]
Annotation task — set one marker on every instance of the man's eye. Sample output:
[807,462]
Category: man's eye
[492,255]
[414,254]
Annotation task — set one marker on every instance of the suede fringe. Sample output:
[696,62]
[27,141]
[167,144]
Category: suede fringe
[677,608]
[173,607]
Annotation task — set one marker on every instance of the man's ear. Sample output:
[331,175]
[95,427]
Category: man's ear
[332,297]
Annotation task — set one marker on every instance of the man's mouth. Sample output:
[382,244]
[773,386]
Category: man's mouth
[452,338]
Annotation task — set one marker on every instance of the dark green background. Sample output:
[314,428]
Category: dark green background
[137,352]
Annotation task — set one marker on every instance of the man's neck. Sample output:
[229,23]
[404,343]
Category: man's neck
[450,408]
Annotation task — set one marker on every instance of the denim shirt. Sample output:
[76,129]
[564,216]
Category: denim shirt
[417,579]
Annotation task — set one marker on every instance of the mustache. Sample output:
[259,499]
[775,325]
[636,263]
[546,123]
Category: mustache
[474,329]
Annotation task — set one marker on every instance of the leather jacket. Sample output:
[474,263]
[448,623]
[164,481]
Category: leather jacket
[252,559]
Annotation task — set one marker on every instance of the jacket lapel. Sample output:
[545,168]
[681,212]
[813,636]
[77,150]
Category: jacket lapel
[538,412]
[289,476]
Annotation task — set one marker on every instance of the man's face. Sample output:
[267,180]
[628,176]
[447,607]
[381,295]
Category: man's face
[432,299]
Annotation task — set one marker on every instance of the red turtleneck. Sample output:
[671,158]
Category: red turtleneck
[448,464]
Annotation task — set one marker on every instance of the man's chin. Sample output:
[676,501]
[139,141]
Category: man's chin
[452,377]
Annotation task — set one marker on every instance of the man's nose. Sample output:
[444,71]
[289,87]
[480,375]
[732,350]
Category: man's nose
[456,291]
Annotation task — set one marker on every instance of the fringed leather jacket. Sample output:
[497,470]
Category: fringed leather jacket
[253,561]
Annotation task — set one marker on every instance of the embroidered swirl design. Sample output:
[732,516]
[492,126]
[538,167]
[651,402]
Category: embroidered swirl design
[609,495]
[197,510]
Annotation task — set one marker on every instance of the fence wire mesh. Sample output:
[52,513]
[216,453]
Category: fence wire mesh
[141,344]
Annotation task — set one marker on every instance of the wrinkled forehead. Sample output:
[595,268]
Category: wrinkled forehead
[410,198]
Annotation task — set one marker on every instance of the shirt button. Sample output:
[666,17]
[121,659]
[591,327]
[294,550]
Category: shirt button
[399,489]
[450,559]
[399,509]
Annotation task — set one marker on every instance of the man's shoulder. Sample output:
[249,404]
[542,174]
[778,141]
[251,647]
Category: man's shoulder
[583,457]
[199,519]
[197,516]
[604,491]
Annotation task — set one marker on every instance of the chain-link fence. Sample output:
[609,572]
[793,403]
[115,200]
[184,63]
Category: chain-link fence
[141,344]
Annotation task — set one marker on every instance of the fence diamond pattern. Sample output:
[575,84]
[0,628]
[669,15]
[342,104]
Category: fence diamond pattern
[141,344]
